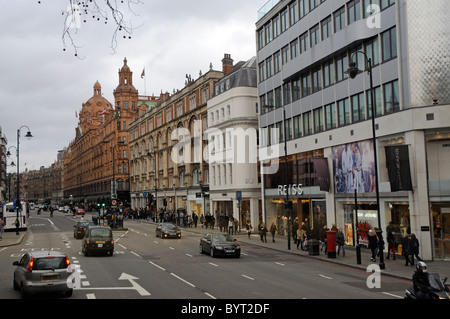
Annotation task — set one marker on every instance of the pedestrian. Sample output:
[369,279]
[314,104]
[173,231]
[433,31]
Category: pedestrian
[236,226]
[2,227]
[340,241]
[414,249]
[391,243]
[301,234]
[323,238]
[405,248]
[249,227]
[373,244]
[273,231]
[262,229]
[230,226]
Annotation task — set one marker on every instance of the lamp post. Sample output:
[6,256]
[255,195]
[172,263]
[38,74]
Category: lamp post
[18,202]
[353,71]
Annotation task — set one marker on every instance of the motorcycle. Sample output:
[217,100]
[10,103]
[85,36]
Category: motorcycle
[437,290]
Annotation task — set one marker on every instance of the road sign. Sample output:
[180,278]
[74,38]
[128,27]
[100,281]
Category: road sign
[114,202]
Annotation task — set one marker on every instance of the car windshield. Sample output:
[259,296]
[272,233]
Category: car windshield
[86,223]
[221,237]
[100,232]
[169,226]
[48,263]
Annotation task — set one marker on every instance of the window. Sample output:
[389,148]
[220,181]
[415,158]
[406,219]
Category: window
[315,35]
[307,123]
[294,49]
[284,20]
[287,93]
[341,68]
[372,51]
[260,39]
[269,67]
[293,13]
[316,80]
[304,9]
[358,108]
[268,33]
[354,11]
[285,54]
[276,26]
[288,124]
[389,41]
[330,116]
[343,112]
[378,103]
[328,74]
[304,45]
[367,3]
[296,90]
[326,28]
[318,120]
[262,72]
[313,4]
[276,62]
[386,3]
[339,19]
[280,131]
[278,98]
[298,126]
[306,85]
[391,97]
[270,101]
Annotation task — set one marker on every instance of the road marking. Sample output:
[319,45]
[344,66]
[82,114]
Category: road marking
[172,248]
[392,295]
[248,277]
[210,296]
[124,276]
[326,277]
[157,266]
[135,254]
[122,246]
[185,281]
[90,296]
[189,255]
[215,265]
[281,264]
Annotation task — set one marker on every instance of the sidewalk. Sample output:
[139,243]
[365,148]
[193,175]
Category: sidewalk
[393,268]
[11,239]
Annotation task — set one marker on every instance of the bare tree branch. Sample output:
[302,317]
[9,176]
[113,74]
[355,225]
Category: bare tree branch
[79,12]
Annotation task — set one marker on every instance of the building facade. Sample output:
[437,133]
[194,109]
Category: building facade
[304,50]
[234,181]
[96,167]
[167,165]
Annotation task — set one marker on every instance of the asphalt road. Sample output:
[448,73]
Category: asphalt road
[147,267]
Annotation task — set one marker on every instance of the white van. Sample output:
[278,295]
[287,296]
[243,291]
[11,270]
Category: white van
[10,215]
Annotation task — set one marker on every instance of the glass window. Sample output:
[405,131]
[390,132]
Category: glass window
[298,126]
[307,123]
[326,28]
[285,54]
[378,103]
[318,120]
[276,27]
[341,68]
[296,90]
[315,35]
[389,41]
[358,108]
[278,98]
[391,97]
[354,11]
[277,62]
[284,20]
[294,49]
[343,112]
[328,74]
[304,45]
[386,3]
[330,116]
[372,51]
[316,80]
[367,13]
[306,85]
[293,13]
[339,19]
[287,93]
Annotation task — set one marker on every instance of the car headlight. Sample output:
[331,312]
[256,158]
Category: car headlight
[219,247]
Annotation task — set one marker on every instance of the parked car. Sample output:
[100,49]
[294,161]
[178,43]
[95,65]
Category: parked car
[80,211]
[42,271]
[168,230]
[79,230]
[220,245]
[98,239]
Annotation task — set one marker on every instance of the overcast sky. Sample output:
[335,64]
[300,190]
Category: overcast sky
[42,86]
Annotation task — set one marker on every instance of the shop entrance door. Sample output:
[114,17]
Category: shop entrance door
[441,228]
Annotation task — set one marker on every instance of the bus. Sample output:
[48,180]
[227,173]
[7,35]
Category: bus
[9,216]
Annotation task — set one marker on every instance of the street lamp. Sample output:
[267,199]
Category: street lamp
[18,202]
[353,71]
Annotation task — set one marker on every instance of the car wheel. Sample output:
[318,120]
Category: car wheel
[201,249]
[111,253]
[212,252]
[68,293]
[15,285]
[86,252]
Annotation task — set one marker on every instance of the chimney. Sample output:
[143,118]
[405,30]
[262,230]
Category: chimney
[227,64]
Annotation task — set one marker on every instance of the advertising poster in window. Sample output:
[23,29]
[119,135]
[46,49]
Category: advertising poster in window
[354,168]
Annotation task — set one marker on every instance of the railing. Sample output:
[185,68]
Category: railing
[266,8]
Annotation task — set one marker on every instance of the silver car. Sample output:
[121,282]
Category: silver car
[43,271]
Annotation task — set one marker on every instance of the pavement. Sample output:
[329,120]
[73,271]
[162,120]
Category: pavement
[393,268]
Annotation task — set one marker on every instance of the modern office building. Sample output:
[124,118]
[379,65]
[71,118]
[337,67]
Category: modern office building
[304,51]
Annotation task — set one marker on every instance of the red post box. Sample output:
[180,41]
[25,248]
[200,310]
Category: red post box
[331,243]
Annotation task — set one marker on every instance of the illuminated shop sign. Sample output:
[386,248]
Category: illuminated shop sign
[291,189]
